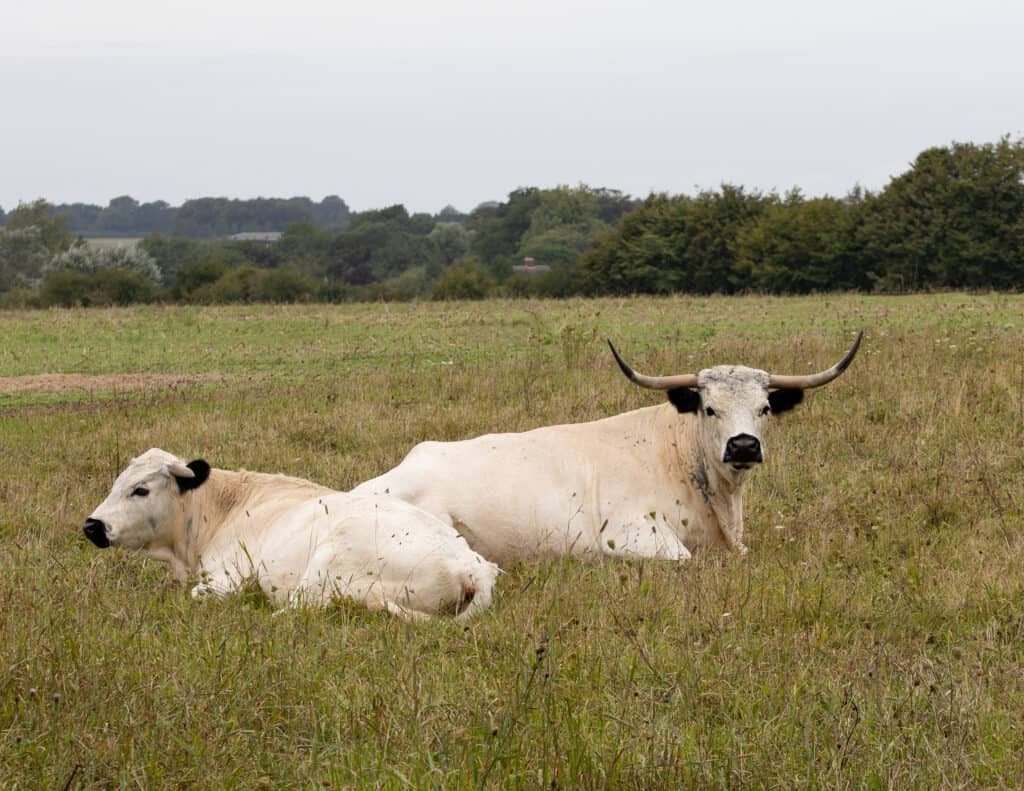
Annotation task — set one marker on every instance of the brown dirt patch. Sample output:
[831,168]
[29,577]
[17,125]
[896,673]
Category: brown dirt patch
[101,383]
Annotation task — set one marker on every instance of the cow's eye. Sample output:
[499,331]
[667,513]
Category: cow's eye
[140,491]
[765,409]
[709,411]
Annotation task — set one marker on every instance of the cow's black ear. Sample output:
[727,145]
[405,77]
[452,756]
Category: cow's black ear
[202,472]
[684,399]
[785,399]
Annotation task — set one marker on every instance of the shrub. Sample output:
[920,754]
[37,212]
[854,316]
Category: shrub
[69,287]
[465,280]
[191,277]
[92,259]
[249,284]
[19,298]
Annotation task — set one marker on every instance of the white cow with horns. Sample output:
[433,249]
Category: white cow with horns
[655,482]
[302,542]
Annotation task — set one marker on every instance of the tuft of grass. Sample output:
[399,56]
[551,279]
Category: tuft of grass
[872,637]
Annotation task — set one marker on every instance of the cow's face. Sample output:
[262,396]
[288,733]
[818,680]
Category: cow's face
[732,404]
[146,501]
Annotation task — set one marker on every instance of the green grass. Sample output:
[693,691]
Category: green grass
[873,637]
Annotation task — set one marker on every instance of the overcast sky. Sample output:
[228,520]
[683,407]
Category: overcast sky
[462,101]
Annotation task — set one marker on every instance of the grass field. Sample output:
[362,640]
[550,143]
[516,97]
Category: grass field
[109,242]
[873,637]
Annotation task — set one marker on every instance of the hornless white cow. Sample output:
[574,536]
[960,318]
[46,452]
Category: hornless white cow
[302,542]
[654,482]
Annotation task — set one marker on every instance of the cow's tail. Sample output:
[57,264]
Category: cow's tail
[477,589]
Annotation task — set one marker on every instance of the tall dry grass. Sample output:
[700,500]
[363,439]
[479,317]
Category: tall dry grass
[873,637]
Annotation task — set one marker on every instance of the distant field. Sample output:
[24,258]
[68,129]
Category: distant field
[104,242]
[873,637]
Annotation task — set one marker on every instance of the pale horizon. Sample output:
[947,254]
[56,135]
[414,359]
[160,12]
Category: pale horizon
[459,103]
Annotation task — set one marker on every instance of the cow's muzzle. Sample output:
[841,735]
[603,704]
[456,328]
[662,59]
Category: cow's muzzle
[743,450]
[96,532]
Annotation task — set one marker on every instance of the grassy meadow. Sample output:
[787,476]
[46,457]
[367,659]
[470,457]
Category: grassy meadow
[873,637]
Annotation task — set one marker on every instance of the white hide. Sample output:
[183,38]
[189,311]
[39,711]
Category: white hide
[648,483]
[302,543]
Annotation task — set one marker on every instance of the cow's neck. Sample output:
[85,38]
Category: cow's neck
[206,511]
[722,492]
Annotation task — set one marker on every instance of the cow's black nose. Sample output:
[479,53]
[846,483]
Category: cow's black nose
[96,532]
[743,449]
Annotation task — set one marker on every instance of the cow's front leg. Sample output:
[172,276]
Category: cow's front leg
[214,584]
[650,539]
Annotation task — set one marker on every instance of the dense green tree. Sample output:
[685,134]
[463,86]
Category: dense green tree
[155,217]
[23,254]
[451,240]
[613,204]
[797,246]
[173,253]
[79,217]
[558,247]
[675,244]
[204,217]
[378,245]
[954,220]
[53,230]
[332,212]
[305,247]
[564,223]
[209,217]
[120,216]
[450,214]
[498,228]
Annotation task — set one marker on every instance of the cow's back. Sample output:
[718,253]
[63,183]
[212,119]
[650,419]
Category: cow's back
[520,495]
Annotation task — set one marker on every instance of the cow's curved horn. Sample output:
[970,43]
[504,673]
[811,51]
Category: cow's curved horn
[820,378]
[654,382]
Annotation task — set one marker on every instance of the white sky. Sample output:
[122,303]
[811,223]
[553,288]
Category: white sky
[452,101]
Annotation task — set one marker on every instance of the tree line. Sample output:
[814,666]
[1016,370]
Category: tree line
[201,218]
[953,220]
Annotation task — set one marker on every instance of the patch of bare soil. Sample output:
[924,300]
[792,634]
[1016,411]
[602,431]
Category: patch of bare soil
[101,383]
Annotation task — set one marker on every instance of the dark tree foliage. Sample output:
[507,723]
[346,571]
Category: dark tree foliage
[380,244]
[498,228]
[207,217]
[613,204]
[52,230]
[954,220]
[331,212]
[125,215]
[202,218]
[79,217]
[192,277]
[251,284]
[466,280]
[306,247]
[675,244]
[174,253]
[799,246]
[450,214]
[68,288]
